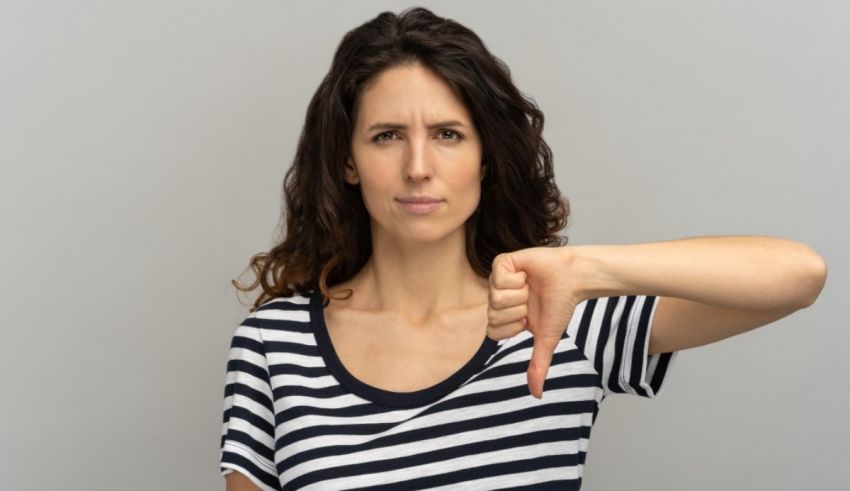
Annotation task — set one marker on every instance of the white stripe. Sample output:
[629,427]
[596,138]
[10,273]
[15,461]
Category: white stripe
[305,338]
[285,315]
[278,358]
[291,379]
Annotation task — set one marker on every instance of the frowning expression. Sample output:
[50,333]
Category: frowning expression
[413,137]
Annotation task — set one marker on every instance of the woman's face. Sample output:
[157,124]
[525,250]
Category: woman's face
[413,137]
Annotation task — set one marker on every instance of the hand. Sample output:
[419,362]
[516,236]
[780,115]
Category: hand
[533,289]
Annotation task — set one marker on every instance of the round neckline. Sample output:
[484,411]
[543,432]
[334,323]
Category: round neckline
[385,397]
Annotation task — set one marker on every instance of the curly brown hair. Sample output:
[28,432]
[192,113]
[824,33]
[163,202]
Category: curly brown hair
[328,238]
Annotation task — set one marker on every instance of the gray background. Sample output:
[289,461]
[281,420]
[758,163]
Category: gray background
[143,146]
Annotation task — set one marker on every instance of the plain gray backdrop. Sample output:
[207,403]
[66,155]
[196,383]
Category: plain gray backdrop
[143,145]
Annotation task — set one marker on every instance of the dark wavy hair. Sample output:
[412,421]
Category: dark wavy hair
[328,237]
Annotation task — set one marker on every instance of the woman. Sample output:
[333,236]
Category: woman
[421,297]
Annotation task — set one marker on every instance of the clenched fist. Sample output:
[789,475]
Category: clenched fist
[533,289]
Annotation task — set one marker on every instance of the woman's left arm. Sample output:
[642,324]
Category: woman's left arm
[712,287]
[708,289]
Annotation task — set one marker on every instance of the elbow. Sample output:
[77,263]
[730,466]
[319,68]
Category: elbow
[813,279]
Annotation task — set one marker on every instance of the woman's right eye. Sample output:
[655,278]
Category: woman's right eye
[378,138]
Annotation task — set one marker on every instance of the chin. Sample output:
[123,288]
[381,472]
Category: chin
[430,232]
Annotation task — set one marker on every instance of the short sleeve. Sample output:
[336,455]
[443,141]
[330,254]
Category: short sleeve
[248,430]
[613,333]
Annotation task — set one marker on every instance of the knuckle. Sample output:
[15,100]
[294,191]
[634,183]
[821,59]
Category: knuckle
[496,299]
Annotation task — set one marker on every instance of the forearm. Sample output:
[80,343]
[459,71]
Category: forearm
[745,272]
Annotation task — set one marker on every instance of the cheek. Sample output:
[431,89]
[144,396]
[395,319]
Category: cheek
[468,190]
[370,200]
[376,194]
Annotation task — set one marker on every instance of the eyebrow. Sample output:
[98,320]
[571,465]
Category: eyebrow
[383,125]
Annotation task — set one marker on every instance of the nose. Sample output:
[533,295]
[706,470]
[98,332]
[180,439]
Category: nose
[419,163]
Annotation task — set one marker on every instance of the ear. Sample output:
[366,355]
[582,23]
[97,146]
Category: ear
[351,176]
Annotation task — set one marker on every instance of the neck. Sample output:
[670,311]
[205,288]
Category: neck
[419,280]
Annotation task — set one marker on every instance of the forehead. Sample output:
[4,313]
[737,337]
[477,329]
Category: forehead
[410,92]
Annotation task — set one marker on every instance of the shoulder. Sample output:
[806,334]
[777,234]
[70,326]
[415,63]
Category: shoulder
[299,300]
[284,312]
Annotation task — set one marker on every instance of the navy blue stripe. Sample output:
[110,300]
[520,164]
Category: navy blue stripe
[291,348]
[288,325]
[604,334]
[301,371]
[660,370]
[247,343]
[559,485]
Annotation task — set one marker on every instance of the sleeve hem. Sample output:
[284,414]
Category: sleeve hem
[229,467]
[249,454]
[643,376]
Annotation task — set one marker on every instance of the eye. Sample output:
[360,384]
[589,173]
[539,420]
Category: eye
[452,132]
[378,137]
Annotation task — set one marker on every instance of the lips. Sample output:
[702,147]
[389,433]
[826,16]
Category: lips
[421,208]
[419,199]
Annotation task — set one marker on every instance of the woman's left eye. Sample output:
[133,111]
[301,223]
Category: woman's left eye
[451,132]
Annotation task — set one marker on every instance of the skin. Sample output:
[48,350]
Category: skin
[236,481]
[419,268]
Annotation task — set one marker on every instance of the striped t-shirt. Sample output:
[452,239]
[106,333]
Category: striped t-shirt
[295,418]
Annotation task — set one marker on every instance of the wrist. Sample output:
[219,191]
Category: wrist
[586,265]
